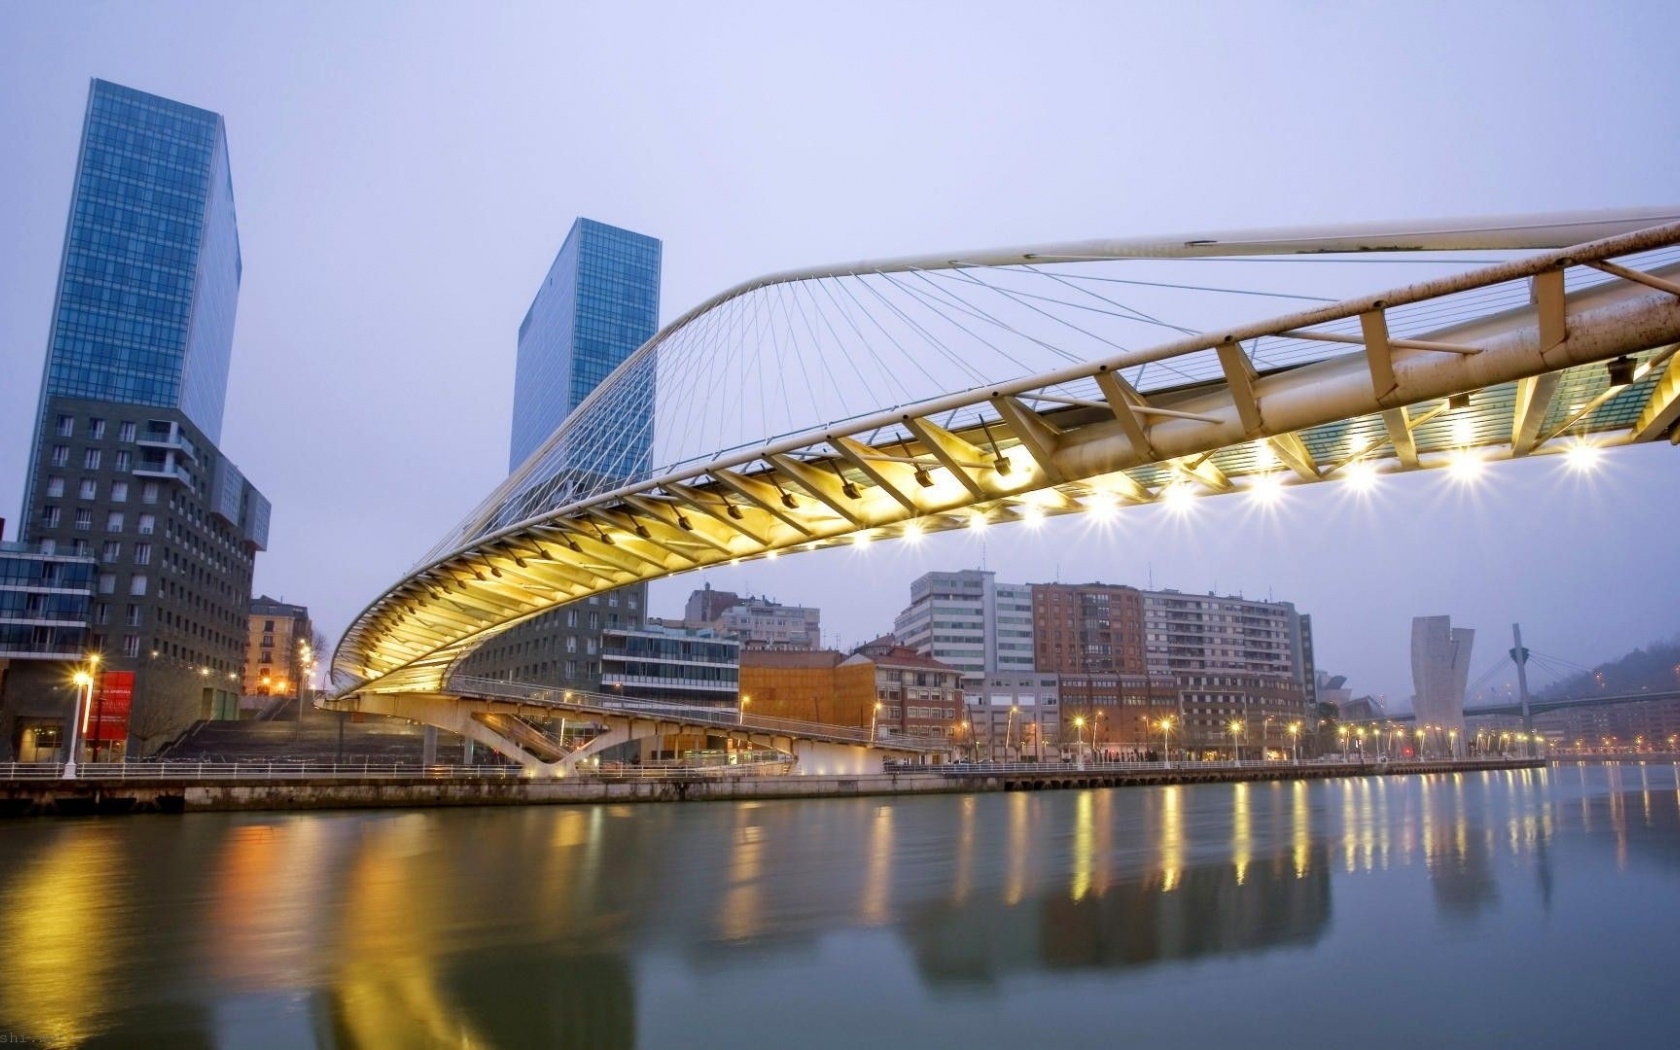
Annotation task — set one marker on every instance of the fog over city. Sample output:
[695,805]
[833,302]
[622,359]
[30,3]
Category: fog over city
[404,174]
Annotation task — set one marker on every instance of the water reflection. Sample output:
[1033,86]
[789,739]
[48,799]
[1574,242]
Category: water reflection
[544,925]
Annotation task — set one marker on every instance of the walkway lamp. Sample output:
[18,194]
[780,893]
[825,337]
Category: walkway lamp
[84,700]
[1236,728]
[1295,740]
[1341,741]
[1009,729]
[741,709]
[1165,726]
[874,720]
[1452,739]
[1079,737]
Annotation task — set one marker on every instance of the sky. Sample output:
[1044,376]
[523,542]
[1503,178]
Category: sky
[404,174]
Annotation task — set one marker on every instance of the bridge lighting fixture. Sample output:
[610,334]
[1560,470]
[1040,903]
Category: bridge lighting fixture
[923,478]
[1033,515]
[1582,457]
[1464,432]
[684,524]
[1361,476]
[734,511]
[1003,466]
[861,540]
[772,555]
[1103,505]
[1264,457]
[1266,488]
[1178,497]
[978,521]
[1465,466]
[913,531]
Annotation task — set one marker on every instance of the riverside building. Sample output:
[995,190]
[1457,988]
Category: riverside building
[969,621]
[125,467]
[598,303]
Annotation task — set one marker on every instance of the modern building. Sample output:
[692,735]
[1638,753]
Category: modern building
[682,665]
[918,695]
[280,641]
[1088,627]
[969,621]
[597,304]
[46,601]
[1016,715]
[818,686]
[757,623]
[1440,672]
[125,466]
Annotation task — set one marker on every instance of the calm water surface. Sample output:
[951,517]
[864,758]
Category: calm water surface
[1538,909]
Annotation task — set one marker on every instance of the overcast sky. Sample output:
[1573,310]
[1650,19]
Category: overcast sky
[404,174]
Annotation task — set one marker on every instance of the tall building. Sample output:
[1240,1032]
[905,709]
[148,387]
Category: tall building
[598,303]
[969,621]
[274,652]
[125,465]
[1440,671]
[1088,627]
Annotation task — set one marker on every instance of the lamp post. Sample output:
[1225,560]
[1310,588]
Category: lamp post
[1295,740]
[874,720]
[84,699]
[306,659]
[1079,738]
[1166,726]
[741,709]
[1008,730]
[1236,729]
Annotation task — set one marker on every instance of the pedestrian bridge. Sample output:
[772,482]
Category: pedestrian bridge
[886,399]
[553,731]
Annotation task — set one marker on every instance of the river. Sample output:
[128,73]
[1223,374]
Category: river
[1533,908]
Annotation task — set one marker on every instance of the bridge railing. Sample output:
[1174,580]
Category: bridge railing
[105,772]
[583,700]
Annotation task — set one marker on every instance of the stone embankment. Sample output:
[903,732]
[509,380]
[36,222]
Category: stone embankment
[39,796]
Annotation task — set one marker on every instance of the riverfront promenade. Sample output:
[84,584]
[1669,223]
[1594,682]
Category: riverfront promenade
[184,787]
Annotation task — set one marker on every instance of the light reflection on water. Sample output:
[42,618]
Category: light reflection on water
[1269,914]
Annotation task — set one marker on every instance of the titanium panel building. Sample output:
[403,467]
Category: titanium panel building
[125,465]
[598,303]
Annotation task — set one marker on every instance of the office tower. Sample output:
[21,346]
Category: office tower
[598,303]
[125,465]
[969,621]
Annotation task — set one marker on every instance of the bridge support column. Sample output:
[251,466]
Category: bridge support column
[428,746]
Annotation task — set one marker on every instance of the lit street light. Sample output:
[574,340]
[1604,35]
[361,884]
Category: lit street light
[1165,727]
[1295,740]
[84,701]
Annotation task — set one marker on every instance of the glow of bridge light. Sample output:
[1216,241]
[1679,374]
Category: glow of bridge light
[1033,515]
[1361,476]
[1266,488]
[913,531]
[861,540]
[1464,431]
[1103,506]
[1465,466]
[1264,457]
[1582,457]
[977,521]
[1178,497]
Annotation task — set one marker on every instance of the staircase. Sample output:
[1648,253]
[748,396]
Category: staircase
[385,740]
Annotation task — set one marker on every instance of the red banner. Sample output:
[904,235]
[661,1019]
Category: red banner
[112,701]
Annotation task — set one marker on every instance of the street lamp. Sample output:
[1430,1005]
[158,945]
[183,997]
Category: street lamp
[1079,737]
[741,710]
[84,700]
[1009,729]
[874,720]
[1236,728]
[1165,726]
[1295,740]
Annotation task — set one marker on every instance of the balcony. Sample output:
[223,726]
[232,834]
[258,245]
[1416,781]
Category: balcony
[165,435]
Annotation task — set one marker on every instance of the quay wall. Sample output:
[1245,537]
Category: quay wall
[44,797]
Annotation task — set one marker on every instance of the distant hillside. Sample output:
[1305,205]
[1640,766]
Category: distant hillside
[1656,666]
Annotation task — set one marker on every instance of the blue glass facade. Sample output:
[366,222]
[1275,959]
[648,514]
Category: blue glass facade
[599,302]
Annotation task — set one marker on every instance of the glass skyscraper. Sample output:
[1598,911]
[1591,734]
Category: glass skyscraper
[125,466]
[598,303]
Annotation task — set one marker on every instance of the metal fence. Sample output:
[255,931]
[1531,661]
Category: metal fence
[142,771]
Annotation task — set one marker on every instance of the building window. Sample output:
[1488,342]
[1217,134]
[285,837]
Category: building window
[90,458]
[594,621]
[633,603]
[149,492]
[55,488]
[107,584]
[49,547]
[119,492]
[60,455]
[126,432]
[114,521]
[131,645]
[49,517]
[137,585]
[612,600]
[571,617]
[84,518]
[571,643]
[66,426]
[122,462]
[101,613]
[89,489]
[148,522]
[134,616]
[142,554]
[112,552]
[96,429]
[80,548]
